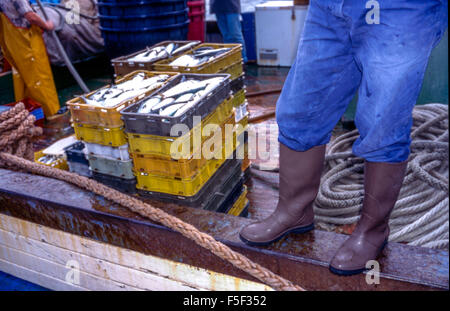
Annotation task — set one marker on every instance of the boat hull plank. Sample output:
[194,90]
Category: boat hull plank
[57,255]
[302,259]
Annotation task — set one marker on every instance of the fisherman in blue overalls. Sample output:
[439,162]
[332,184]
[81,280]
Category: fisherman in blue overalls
[380,48]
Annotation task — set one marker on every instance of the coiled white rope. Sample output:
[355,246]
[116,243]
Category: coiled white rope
[421,214]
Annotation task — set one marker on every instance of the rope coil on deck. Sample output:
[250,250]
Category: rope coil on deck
[421,214]
[16,152]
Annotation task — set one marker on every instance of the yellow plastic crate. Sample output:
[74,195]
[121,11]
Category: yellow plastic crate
[108,116]
[177,186]
[181,168]
[60,163]
[240,203]
[239,98]
[219,64]
[114,137]
[160,146]
[235,70]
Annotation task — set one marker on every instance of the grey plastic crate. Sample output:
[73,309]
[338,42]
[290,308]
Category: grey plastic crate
[115,168]
[123,185]
[80,169]
[153,124]
[118,153]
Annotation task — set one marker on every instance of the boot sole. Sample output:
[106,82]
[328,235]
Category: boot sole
[356,271]
[299,230]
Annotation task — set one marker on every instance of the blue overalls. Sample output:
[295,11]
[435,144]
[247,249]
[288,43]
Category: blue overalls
[342,50]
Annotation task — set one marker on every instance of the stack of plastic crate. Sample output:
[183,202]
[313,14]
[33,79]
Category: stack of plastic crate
[101,130]
[231,63]
[77,161]
[180,169]
[126,64]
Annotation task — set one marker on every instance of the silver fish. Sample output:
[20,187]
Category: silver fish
[118,93]
[90,102]
[184,98]
[132,83]
[47,159]
[147,106]
[184,47]
[185,108]
[169,111]
[185,60]
[151,81]
[99,94]
[163,104]
[214,52]
[170,48]
[188,86]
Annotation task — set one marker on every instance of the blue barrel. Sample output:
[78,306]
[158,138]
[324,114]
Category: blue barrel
[131,25]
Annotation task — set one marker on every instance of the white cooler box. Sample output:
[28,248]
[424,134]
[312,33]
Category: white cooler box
[279,25]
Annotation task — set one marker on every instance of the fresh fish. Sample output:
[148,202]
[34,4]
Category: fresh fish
[163,104]
[122,97]
[204,48]
[147,106]
[184,47]
[184,98]
[189,86]
[185,108]
[170,48]
[89,101]
[170,110]
[132,83]
[184,60]
[211,84]
[47,159]
[153,54]
[151,81]
[214,52]
[163,54]
[114,95]
[99,94]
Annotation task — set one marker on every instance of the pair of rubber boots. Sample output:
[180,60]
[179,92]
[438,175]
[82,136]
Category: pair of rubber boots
[300,174]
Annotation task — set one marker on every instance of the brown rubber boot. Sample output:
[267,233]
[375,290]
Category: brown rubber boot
[382,183]
[299,183]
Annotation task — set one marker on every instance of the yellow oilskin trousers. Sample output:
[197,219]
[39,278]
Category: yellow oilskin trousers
[24,49]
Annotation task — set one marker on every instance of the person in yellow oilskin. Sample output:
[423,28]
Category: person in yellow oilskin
[24,48]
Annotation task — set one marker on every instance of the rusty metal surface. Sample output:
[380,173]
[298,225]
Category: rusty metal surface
[300,258]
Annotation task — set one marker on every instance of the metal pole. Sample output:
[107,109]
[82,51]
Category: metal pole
[63,53]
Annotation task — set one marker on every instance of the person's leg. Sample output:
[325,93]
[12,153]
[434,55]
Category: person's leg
[235,33]
[25,51]
[320,84]
[222,23]
[230,28]
[393,56]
